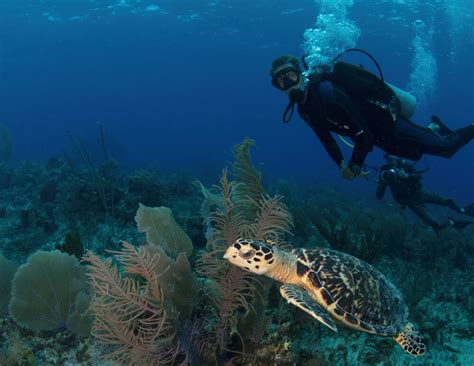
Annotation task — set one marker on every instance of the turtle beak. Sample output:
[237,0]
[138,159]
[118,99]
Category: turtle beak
[227,254]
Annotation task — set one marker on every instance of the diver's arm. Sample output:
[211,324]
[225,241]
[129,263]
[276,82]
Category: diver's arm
[329,144]
[360,135]
[407,174]
[413,177]
[362,147]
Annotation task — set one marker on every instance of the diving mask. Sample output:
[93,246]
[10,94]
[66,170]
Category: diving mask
[286,78]
[290,80]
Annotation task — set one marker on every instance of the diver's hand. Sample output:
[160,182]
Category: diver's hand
[346,172]
[349,174]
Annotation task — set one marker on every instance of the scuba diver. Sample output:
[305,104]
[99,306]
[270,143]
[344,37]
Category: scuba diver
[405,184]
[352,102]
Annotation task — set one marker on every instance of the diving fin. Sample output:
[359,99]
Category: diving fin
[438,127]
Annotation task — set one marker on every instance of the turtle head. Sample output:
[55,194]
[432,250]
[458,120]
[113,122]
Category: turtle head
[252,255]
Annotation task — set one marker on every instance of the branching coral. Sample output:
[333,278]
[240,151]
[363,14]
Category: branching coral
[225,227]
[143,314]
[272,220]
[250,179]
[129,309]
[236,293]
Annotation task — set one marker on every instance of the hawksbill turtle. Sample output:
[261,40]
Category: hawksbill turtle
[333,287]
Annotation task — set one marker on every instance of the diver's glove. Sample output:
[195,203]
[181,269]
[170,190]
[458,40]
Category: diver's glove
[352,172]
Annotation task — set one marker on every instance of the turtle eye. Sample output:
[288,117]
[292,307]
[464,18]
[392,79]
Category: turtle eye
[247,255]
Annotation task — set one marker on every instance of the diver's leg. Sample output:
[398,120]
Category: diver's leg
[435,199]
[426,142]
[422,212]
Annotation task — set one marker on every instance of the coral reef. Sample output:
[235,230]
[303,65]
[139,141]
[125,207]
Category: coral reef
[169,297]
[56,204]
[7,271]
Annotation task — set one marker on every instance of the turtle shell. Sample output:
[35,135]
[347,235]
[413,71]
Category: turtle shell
[353,291]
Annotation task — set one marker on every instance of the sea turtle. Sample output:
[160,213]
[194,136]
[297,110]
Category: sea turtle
[333,287]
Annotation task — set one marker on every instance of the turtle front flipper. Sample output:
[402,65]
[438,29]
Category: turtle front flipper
[299,297]
[411,340]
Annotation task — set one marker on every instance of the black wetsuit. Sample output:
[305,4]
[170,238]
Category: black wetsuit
[370,120]
[407,190]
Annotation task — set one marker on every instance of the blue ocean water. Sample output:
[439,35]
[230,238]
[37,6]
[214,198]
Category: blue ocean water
[176,83]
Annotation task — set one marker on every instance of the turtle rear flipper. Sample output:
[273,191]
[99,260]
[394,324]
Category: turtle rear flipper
[299,297]
[411,340]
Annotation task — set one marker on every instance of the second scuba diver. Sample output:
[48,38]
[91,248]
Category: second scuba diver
[407,190]
[348,100]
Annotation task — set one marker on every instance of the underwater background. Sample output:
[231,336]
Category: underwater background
[105,105]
